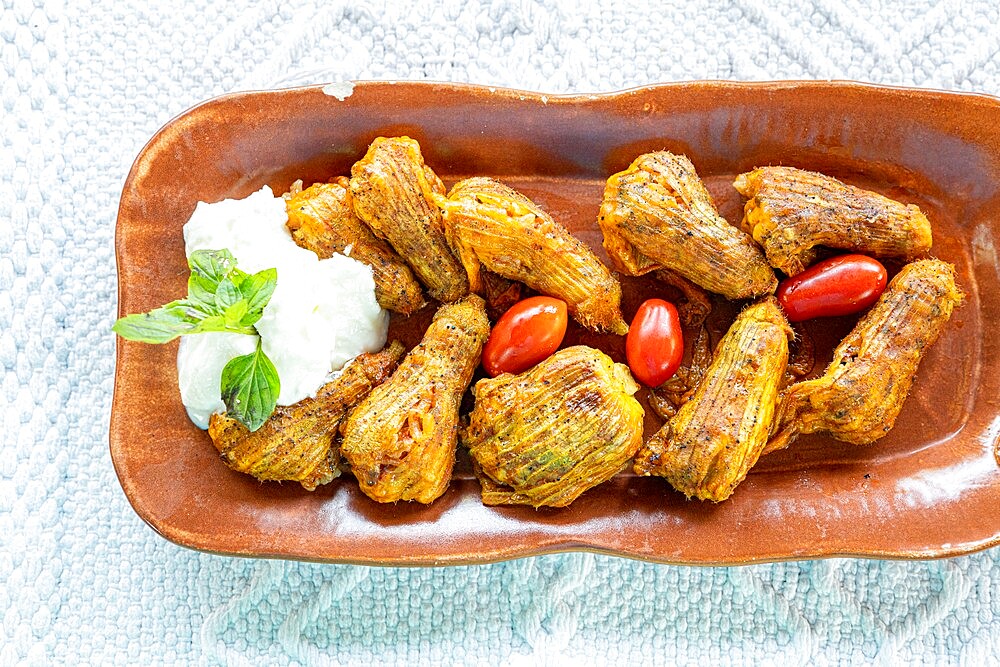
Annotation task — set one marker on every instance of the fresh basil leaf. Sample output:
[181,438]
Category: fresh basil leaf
[208,269]
[191,310]
[211,265]
[201,293]
[251,318]
[235,314]
[218,323]
[250,388]
[161,325]
[238,276]
[200,283]
[257,290]
[226,294]
[221,297]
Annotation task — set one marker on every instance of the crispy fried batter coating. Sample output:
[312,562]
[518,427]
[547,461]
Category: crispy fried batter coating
[791,211]
[708,447]
[491,226]
[401,440]
[657,214]
[392,191]
[321,218]
[859,397]
[547,435]
[296,443]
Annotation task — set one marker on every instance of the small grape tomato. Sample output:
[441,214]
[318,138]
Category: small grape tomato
[840,285]
[655,343]
[526,334]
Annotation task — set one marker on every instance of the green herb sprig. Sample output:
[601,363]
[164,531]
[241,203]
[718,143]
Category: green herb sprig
[220,298]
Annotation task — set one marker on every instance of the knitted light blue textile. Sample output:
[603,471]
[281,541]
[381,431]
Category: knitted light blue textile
[83,581]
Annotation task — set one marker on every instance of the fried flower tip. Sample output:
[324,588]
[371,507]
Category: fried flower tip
[492,228]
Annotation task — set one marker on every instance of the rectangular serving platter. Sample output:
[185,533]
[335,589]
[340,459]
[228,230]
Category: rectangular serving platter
[931,488]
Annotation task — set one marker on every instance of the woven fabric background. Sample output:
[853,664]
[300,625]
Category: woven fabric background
[84,581]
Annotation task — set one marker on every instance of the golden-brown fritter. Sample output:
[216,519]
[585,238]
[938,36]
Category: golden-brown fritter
[708,447]
[547,435]
[297,442]
[401,440]
[859,397]
[321,218]
[657,214]
[392,191]
[491,226]
[791,211]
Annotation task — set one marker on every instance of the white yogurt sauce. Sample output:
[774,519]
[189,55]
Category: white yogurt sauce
[199,368]
[323,313]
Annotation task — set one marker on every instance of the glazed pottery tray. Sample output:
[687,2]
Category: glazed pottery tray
[930,488]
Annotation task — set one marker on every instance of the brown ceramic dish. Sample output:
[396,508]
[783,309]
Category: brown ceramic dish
[931,488]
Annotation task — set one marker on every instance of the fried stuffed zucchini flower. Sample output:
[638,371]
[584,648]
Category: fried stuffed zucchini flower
[790,212]
[490,226]
[401,440]
[547,435]
[392,191]
[863,389]
[708,447]
[298,442]
[321,218]
[657,214]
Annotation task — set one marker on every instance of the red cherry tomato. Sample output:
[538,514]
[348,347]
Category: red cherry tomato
[654,346]
[837,286]
[527,333]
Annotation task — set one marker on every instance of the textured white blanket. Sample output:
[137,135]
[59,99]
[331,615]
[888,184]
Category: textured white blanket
[84,581]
